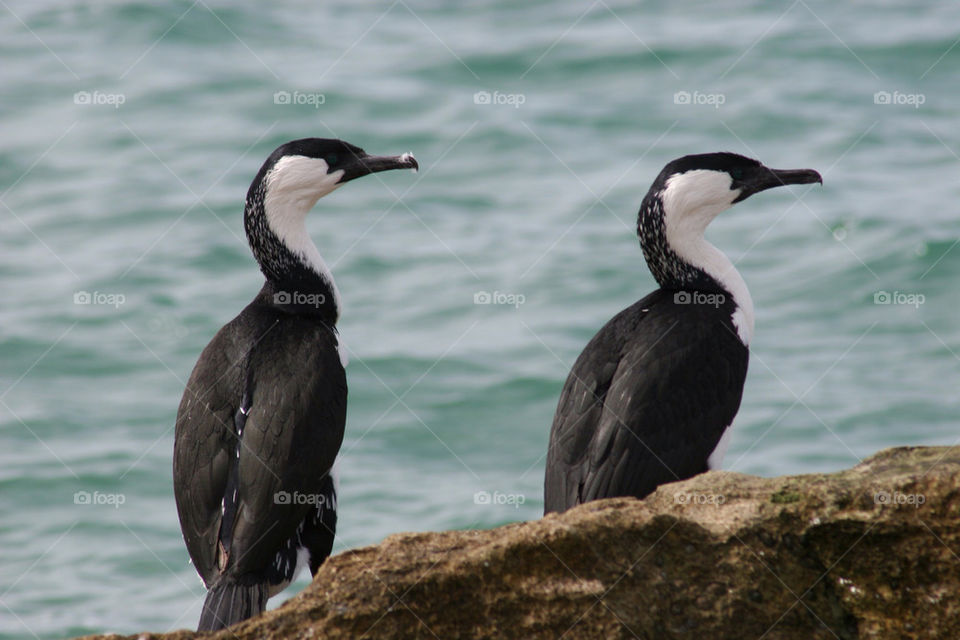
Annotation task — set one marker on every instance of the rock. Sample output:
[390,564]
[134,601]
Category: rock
[870,552]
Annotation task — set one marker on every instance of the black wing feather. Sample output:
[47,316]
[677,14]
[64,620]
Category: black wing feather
[292,432]
[646,402]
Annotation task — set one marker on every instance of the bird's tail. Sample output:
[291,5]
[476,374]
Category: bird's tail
[229,602]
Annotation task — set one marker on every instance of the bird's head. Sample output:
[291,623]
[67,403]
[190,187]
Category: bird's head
[686,196]
[693,189]
[293,178]
[300,172]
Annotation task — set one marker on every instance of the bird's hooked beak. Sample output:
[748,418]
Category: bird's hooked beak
[362,165]
[763,178]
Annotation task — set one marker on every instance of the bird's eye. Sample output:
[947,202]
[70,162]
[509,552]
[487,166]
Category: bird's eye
[331,159]
[737,173]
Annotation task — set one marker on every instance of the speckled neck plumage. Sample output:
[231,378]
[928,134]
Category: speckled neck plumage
[668,269]
[695,265]
[286,272]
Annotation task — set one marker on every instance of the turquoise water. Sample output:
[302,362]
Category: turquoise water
[134,190]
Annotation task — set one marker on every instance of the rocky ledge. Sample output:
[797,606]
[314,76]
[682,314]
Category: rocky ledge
[870,552]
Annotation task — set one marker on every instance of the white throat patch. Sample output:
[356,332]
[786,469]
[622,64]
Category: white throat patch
[293,186]
[691,200]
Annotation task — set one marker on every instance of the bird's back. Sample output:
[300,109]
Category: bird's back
[274,379]
[646,401]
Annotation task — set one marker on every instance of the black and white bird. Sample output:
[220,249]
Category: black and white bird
[262,417]
[652,397]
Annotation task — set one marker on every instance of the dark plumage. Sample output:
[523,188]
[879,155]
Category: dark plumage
[653,393]
[632,415]
[262,417]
